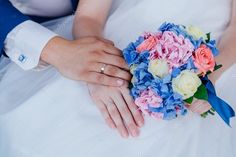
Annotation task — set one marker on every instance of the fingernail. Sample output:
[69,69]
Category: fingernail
[120,82]
[140,123]
[112,126]
[135,133]
[124,134]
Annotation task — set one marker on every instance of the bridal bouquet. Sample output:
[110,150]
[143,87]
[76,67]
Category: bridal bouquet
[170,69]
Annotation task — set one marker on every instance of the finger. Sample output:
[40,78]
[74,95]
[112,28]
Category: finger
[102,108]
[126,115]
[110,49]
[115,60]
[111,70]
[103,57]
[107,41]
[137,115]
[101,44]
[94,40]
[98,78]
[199,106]
[115,115]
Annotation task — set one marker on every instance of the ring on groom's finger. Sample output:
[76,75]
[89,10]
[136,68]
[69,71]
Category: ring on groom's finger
[103,69]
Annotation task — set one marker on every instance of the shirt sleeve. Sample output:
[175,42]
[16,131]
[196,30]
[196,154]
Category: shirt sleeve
[24,44]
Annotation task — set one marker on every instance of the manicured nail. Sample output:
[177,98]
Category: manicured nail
[120,82]
[140,123]
[135,133]
[112,126]
[124,134]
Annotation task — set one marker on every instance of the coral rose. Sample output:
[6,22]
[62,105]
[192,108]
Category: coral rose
[147,44]
[204,59]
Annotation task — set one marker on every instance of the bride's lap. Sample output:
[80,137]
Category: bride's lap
[62,115]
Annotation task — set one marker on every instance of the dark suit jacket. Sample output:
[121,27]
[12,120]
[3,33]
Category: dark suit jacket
[10,17]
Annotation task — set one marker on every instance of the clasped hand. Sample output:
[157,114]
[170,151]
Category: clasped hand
[82,60]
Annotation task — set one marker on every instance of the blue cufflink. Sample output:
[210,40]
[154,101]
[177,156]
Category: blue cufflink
[22,58]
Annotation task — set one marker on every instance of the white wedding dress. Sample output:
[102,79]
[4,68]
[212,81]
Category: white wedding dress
[46,115]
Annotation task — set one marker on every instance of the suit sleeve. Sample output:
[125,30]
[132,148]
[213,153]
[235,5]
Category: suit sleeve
[21,38]
[10,17]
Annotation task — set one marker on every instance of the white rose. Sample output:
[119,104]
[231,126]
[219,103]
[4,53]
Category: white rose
[196,32]
[133,68]
[186,84]
[158,67]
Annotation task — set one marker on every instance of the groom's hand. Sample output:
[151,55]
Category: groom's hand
[87,59]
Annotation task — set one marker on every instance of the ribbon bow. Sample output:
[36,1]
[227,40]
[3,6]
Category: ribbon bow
[224,110]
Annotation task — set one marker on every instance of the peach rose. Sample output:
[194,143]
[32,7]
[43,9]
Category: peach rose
[147,44]
[204,59]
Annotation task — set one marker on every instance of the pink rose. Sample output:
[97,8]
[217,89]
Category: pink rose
[148,44]
[173,48]
[204,59]
[148,97]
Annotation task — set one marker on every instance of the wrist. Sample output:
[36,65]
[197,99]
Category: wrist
[231,30]
[51,52]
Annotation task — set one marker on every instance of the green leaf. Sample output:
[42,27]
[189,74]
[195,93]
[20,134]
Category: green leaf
[218,67]
[189,100]
[208,37]
[213,110]
[208,73]
[204,115]
[201,93]
[215,68]
[212,113]
[130,86]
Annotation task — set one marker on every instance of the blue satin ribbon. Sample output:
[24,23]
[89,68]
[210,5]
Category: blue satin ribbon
[220,106]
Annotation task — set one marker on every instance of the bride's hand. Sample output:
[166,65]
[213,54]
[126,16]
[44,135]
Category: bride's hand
[227,55]
[82,59]
[117,108]
[227,47]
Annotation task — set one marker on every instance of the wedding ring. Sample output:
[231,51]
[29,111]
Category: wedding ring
[103,69]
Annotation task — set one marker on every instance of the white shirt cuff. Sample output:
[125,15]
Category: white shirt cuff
[24,44]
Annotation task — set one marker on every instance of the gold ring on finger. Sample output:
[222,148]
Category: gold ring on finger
[103,69]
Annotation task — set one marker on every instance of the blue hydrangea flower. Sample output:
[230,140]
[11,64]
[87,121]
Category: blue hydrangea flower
[130,54]
[212,45]
[178,29]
